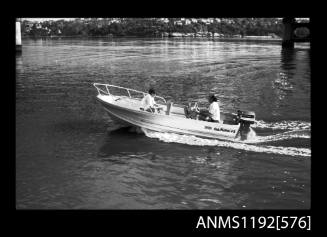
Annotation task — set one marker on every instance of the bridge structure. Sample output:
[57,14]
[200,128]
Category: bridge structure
[289,37]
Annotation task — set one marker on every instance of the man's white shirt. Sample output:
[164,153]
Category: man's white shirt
[147,102]
[215,110]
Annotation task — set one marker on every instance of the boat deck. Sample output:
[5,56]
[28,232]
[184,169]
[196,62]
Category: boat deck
[135,104]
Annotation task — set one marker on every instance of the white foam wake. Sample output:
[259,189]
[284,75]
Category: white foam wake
[193,140]
[284,125]
[305,134]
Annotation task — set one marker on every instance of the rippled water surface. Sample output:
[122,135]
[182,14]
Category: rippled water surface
[69,155]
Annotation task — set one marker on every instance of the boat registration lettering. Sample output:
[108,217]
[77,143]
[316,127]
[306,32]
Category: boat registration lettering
[219,129]
[224,130]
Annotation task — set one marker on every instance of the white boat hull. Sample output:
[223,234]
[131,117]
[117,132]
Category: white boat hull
[127,110]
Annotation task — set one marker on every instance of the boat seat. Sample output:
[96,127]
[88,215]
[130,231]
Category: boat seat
[186,112]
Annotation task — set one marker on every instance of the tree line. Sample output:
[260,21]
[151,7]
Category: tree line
[151,27]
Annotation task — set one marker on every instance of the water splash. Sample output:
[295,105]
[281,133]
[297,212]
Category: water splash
[251,135]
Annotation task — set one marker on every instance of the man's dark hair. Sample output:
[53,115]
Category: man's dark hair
[213,98]
[152,91]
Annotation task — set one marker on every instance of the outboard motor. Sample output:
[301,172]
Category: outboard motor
[245,118]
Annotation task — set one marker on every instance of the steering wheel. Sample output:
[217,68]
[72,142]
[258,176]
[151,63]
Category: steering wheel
[196,107]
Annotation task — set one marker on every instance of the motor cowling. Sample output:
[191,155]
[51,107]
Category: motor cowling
[245,118]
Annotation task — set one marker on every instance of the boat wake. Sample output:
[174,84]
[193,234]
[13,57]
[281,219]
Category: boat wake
[284,125]
[253,143]
[305,134]
[294,129]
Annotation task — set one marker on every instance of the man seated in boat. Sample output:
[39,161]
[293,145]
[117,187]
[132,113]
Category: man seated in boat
[148,103]
[213,113]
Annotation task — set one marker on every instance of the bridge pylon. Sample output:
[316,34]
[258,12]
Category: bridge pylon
[289,38]
[18,36]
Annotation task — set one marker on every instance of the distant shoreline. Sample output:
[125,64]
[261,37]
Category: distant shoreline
[245,38]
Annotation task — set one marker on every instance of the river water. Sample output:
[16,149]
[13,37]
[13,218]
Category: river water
[69,156]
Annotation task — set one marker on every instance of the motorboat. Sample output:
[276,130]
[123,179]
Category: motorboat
[124,106]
